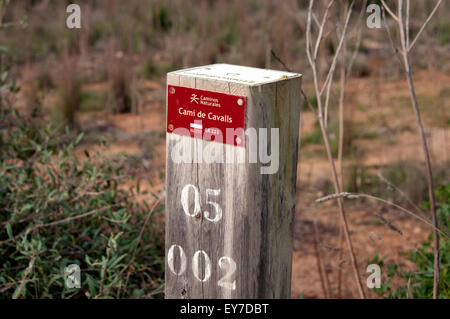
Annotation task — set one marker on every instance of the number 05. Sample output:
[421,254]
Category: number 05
[197,209]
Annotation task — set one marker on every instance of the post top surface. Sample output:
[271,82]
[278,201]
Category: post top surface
[237,74]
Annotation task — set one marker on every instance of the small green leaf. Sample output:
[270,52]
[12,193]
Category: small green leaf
[26,207]
[9,231]
[79,138]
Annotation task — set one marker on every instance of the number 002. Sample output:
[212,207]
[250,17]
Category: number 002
[225,263]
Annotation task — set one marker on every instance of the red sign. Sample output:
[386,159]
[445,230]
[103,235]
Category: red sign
[207,115]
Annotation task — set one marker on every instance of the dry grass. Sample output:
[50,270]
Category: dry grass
[69,90]
[120,77]
[31,92]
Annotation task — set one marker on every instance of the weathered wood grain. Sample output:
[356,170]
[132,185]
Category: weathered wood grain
[256,229]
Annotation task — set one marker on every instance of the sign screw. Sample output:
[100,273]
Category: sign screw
[238,140]
[240,102]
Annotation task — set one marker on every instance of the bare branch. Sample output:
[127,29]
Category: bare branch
[279,60]
[391,185]
[424,25]
[342,215]
[358,38]
[308,33]
[320,265]
[290,70]
[389,11]
[407,23]
[401,26]
[322,25]
[341,41]
[316,21]
[405,55]
[333,64]
[389,224]
[391,41]
[57,222]
[311,61]
[361,195]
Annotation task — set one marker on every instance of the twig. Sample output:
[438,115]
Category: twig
[389,11]
[423,25]
[58,222]
[289,70]
[68,219]
[342,82]
[376,235]
[358,38]
[279,60]
[405,54]
[333,64]
[390,184]
[333,248]
[308,103]
[360,195]
[313,64]
[322,25]
[320,269]
[391,41]
[18,292]
[137,244]
[344,73]
[407,23]
[389,224]
[316,21]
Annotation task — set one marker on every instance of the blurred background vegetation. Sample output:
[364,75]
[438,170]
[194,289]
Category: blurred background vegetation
[82,138]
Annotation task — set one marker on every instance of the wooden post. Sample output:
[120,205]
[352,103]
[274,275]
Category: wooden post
[229,221]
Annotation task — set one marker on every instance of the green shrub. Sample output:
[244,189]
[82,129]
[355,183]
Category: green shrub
[313,101]
[59,208]
[419,283]
[161,19]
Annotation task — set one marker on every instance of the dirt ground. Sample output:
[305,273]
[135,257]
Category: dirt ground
[368,236]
